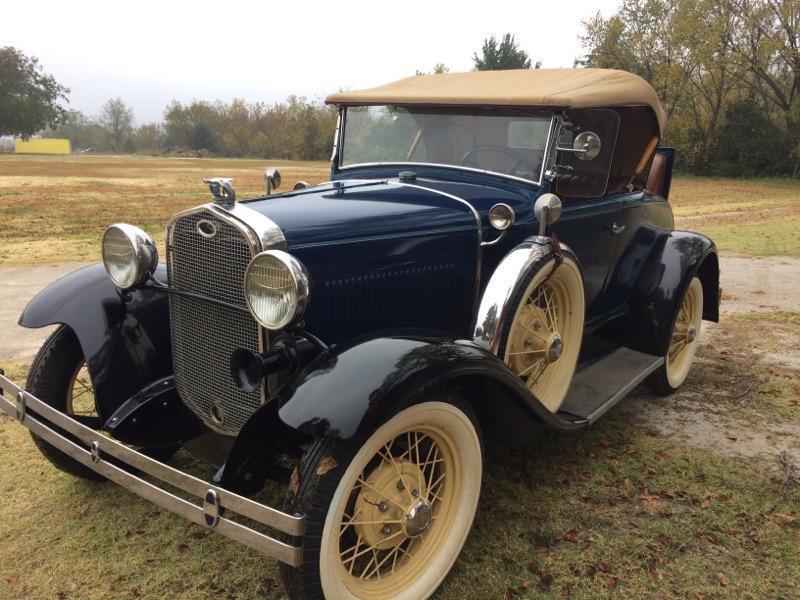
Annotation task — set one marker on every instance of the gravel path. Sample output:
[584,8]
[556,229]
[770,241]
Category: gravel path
[749,284]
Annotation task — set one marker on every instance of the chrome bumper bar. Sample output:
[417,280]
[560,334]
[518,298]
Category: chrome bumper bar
[37,416]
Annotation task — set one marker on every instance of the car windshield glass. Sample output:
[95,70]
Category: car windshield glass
[506,141]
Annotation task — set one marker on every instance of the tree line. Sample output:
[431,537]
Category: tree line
[294,129]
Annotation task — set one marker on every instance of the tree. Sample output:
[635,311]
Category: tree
[497,56]
[148,137]
[117,119]
[766,42]
[438,69]
[29,99]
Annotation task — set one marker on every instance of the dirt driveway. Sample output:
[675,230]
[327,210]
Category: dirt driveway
[760,284]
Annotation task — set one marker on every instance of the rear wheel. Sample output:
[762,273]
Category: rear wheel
[59,378]
[388,516]
[683,343]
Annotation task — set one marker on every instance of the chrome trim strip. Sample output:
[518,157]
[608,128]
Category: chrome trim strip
[478,224]
[101,445]
[494,310]
[457,167]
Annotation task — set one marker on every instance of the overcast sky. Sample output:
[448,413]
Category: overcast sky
[149,53]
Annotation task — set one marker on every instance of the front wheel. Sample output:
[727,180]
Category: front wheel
[388,516]
[59,378]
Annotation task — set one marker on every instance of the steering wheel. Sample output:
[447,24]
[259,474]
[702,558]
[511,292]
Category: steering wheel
[468,159]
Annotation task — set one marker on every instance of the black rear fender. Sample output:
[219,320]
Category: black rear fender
[125,337]
[676,257]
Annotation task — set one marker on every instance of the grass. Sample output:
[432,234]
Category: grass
[620,510]
[54,208]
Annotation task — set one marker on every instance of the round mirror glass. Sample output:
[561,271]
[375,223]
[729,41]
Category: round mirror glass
[587,145]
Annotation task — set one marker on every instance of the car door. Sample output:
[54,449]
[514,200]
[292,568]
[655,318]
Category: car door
[587,227]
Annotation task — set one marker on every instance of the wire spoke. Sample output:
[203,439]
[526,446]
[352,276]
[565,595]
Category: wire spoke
[381,494]
[526,370]
[537,351]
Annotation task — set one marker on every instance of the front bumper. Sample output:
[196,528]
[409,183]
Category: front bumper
[216,502]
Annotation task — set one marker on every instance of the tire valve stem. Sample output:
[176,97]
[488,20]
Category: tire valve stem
[400,485]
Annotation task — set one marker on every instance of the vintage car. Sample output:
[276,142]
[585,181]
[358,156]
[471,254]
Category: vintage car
[494,250]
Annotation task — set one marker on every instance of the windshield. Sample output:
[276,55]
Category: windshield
[505,141]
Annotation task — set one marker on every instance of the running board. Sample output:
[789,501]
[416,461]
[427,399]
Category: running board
[601,384]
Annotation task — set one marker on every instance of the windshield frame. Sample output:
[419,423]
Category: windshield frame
[342,126]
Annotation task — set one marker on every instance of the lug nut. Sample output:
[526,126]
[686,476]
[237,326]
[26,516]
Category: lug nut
[415,493]
[383,506]
[386,530]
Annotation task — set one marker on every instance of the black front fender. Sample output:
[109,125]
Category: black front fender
[125,337]
[348,390]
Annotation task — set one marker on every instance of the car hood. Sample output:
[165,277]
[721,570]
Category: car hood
[343,212]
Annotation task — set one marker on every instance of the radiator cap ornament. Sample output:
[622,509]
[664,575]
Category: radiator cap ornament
[222,190]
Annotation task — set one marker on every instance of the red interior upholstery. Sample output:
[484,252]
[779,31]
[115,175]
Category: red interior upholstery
[658,173]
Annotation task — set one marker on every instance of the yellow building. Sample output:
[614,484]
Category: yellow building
[42,146]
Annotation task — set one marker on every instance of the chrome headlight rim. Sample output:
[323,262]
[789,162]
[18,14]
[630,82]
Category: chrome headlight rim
[144,255]
[300,288]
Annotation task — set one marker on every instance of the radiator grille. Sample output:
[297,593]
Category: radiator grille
[205,334]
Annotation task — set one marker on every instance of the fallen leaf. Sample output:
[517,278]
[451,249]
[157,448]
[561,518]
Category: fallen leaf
[731,437]
[611,582]
[294,481]
[545,581]
[183,548]
[13,579]
[570,536]
[603,566]
[613,464]
[705,503]
[656,575]
[723,581]
[326,465]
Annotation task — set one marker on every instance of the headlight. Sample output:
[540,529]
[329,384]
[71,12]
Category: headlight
[129,255]
[276,289]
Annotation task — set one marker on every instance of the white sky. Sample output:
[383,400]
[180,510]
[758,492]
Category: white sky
[151,52]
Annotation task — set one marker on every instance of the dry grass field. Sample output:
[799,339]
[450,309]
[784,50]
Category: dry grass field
[55,208]
[692,496]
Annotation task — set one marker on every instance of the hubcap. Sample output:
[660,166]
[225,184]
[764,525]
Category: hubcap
[418,518]
[555,347]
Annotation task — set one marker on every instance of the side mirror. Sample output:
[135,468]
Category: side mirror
[272,180]
[586,146]
[547,210]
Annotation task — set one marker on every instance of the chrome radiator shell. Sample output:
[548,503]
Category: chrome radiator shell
[208,250]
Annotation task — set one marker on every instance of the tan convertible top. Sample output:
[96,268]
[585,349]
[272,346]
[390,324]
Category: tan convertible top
[561,88]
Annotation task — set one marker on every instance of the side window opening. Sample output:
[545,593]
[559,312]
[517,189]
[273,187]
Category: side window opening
[578,177]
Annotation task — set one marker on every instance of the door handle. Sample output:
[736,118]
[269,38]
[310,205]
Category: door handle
[615,229]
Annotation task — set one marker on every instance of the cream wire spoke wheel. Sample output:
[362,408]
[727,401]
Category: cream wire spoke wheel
[80,394]
[685,335]
[545,333]
[404,507]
